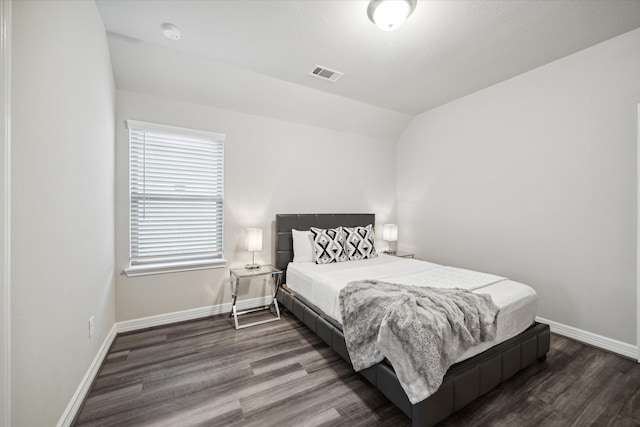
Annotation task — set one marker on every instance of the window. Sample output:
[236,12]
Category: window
[176,199]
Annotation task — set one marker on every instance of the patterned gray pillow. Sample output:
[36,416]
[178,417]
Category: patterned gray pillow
[328,245]
[360,242]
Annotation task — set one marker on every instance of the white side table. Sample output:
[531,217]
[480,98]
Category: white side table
[275,278]
[399,254]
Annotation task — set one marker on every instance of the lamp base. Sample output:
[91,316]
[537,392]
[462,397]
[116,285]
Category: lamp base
[393,247]
[252,266]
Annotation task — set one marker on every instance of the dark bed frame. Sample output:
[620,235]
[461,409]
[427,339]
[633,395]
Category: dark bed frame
[464,381]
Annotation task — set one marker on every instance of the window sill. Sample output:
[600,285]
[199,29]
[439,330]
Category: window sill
[146,270]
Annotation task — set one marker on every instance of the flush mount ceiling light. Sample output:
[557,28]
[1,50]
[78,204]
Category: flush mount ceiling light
[171,32]
[390,14]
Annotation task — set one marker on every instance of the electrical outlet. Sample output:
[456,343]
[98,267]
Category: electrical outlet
[91,327]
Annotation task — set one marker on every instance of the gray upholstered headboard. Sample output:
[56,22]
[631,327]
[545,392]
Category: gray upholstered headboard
[287,222]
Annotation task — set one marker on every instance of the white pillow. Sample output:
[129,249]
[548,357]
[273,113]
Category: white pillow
[303,246]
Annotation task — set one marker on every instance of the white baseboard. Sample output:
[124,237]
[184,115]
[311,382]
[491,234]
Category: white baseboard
[590,338]
[194,313]
[78,397]
[142,323]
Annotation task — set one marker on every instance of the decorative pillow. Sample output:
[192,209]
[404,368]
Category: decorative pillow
[360,242]
[302,246]
[329,245]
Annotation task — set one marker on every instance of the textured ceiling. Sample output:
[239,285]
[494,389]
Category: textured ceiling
[445,50]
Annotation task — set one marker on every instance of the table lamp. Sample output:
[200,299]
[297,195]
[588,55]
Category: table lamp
[390,234]
[253,238]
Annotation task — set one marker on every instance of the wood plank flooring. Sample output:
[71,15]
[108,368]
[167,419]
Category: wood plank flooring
[205,373]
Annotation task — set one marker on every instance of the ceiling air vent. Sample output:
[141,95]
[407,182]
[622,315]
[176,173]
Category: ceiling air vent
[325,74]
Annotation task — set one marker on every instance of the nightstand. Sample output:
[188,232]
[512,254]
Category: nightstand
[399,254]
[237,274]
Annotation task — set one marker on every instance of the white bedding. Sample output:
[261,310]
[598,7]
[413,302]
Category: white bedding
[321,284]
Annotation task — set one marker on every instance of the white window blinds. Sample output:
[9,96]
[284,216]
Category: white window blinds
[176,198]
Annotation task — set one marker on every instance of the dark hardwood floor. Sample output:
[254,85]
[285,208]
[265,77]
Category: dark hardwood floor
[205,373]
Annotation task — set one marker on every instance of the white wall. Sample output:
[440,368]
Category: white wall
[271,166]
[5,190]
[62,203]
[535,179]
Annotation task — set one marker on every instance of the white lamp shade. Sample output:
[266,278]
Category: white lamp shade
[253,239]
[390,14]
[390,232]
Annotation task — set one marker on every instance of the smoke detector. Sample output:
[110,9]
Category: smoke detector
[325,73]
[171,32]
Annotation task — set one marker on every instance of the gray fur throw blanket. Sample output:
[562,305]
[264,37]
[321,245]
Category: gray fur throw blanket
[421,330]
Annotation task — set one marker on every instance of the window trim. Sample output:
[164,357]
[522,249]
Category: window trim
[197,263]
[174,129]
[172,267]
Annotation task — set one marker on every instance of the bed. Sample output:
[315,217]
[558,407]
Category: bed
[520,341]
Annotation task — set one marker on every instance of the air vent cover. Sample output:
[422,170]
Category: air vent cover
[325,74]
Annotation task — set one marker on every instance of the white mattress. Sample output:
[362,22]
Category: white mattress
[321,284]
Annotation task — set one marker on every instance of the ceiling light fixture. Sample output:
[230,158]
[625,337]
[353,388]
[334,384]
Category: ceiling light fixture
[390,14]
[171,32]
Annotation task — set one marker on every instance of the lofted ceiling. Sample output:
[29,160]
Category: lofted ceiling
[445,50]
